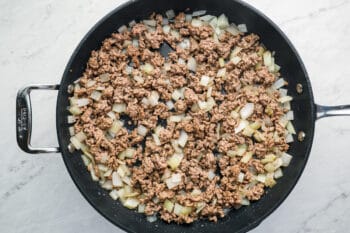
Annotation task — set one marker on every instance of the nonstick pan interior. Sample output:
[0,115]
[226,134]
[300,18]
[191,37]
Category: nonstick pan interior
[292,70]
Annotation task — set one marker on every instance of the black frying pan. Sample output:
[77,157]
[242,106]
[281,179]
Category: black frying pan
[242,220]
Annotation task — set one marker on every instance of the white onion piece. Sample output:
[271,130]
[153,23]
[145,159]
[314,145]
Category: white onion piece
[111,115]
[86,160]
[119,108]
[242,28]
[170,14]
[114,194]
[202,105]
[223,21]
[122,29]
[210,91]
[151,218]
[206,18]
[287,105]
[142,130]
[286,158]
[147,68]
[135,43]
[132,23]
[240,177]
[279,83]
[131,203]
[178,94]
[267,57]
[185,44]
[245,201]
[278,173]
[290,128]
[175,160]
[107,185]
[289,138]
[285,99]
[181,61]
[128,69]
[104,77]
[96,95]
[156,139]
[175,33]
[214,23]
[150,22]
[261,178]
[283,92]
[71,131]
[166,29]
[290,115]
[221,73]
[170,104]
[138,79]
[173,181]
[75,142]
[236,60]
[71,119]
[241,126]
[90,83]
[233,30]
[153,98]
[192,64]
[198,13]
[247,110]
[196,23]
[127,180]
[235,51]
[141,208]
[165,21]
[145,101]
[82,102]
[211,175]
[176,118]
[188,18]
[205,80]
[183,138]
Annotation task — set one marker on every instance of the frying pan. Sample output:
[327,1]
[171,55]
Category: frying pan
[305,110]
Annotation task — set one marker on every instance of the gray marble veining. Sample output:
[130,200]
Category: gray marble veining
[36,41]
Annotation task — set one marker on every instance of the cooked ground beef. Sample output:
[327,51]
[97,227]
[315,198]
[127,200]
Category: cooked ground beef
[177,130]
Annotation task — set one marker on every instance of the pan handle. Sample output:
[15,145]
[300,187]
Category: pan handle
[24,119]
[328,111]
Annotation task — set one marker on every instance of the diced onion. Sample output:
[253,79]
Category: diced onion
[138,79]
[111,115]
[183,138]
[242,124]
[82,102]
[131,203]
[178,94]
[233,30]
[206,18]
[175,160]
[222,21]
[75,110]
[107,185]
[173,181]
[285,99]
[170,104]
[116,126]
[135,43]
[221,73]
[153,98]
[286,158]
[181,61]
[290,128]
[132,23]
[185,44]
[180,210]
[245,201]
[198,13]
[290,115]
[196,23]
[211,175]
[141,208]
[122,29]
[279,83]
[283,92]
[114,194]
[142,130]
[71,131]
[192,64]
[170,14]
[147,68]
[151,218]
[241,149]
[242,28]
[235,60]
[75,142]
[104,77]
[156,139]
[176,118]
[278,173]
[71,119]
[150,22]
[246,157]
[205,80]
[240,177]
[96,95]
[289,138]
[90,83]
[261,178]
[175,33]
[247,110]
[166,29]
[168,205]
[86,160]
[119,108]
[188,18]
[267,58]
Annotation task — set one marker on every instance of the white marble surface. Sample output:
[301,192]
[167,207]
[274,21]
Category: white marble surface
[36,41]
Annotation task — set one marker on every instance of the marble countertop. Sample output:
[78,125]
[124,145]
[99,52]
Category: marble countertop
[36,40]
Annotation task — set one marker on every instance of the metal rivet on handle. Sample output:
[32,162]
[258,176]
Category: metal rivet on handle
[301,136]
[299,88]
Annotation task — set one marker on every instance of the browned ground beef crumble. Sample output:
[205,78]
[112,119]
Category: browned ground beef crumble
[211,132]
